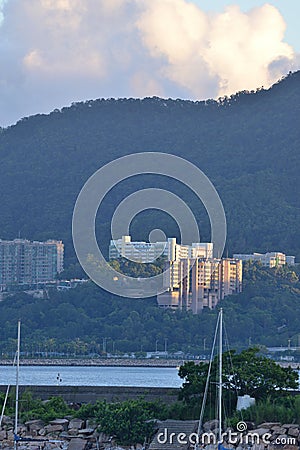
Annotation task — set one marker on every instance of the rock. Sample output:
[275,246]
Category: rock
[86,431]
[3,435]
[251,426]
[76,423]
[21,430]
[293,432]
[261,431]
[54,428]
[34,425]
[10,435]
[61,422]
[7,421]
[77,444]
[52,446]
[73,431]
[269,425]
[211,425]
[42,432]
[290,425]
[291,447]
[65,435]
[278,429]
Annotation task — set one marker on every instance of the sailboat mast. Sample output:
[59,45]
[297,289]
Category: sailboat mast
[220,372]
[17,385]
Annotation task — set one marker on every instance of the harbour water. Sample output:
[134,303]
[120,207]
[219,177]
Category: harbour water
[92,376]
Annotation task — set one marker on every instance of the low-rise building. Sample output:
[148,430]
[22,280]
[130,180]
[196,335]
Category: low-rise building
[269,259]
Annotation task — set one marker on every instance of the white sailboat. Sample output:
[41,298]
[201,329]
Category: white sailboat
[17,362]
[218,330]
[16,437]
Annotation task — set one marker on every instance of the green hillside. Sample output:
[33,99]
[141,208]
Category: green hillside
[76,321]
[247,144]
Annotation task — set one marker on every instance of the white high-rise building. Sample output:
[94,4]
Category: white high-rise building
[192,277]
[196,283]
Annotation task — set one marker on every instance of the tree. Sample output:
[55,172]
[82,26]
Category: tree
[129,421]
[259,376]
[248,372]
[194,376]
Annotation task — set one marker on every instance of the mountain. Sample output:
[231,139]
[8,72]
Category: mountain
[247,144]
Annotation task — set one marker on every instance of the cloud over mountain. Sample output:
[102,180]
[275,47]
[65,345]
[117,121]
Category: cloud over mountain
[53,52]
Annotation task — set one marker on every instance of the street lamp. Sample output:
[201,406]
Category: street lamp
[166,345]
[104,340]
[156,344]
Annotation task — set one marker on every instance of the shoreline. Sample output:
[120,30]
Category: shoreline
[114,362]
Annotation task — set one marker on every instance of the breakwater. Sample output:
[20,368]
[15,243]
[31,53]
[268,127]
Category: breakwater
[114,362]
[90,394]
[103,362]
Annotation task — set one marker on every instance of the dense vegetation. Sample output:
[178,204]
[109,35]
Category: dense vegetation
[248,144]
[77,322]
[133,269]
[245,373]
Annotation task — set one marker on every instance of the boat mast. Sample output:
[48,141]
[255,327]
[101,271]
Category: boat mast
[17,386]
[220,372]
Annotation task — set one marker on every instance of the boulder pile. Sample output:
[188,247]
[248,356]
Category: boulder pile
[267,435]
[66,434]
[77,434]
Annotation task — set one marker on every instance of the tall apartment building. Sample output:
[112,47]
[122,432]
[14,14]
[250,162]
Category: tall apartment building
[23,262]
[192,277]
[270,259]
[147,252]
[196,283]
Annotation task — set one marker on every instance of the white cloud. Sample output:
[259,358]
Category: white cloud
[234,47]
[53,52]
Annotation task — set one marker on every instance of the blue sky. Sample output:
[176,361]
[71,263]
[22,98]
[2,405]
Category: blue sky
[55,52]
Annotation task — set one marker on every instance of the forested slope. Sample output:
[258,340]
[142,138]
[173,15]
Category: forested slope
[79,319]
[247,144]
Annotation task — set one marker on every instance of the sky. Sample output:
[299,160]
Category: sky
[55,52]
